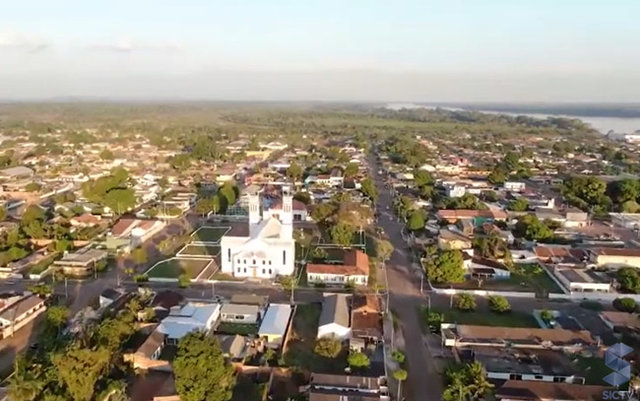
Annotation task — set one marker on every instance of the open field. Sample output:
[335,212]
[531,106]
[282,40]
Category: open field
[209,234]
[200,250]
[173,268]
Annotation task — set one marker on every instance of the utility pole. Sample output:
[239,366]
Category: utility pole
[399,388]
[428,304]
[421,283]
[66,287]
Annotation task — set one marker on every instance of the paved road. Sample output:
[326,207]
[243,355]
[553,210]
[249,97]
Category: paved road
[423,382]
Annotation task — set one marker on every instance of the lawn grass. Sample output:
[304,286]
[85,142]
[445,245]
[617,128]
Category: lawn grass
[247,390]
[209,234]
[201,250]
[302,341]
[173,268]
[592,369]
[482,318]
[237,328]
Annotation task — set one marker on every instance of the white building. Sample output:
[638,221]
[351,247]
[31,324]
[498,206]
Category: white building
[334,318]
[267,250]
[193,316]
[514,186]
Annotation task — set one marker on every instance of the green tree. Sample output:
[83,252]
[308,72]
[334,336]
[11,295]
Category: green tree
[446,267]
[120,199]
[322,212]
[32,187]
[518,205]
[398,356]
[106,154]
[624,190]
[342,233]
[531,228]
[546,315]
[497,176]
[629,279]
[422,178]
[384,249]
[33,213]
[369,189]
[434,320]
[203,206]
[57,316]
[139,256]
[229,192]
[491,247]
[400,375]
[79,369]
[328,347]
[416,220]
[489,196]
[499,304]
[625,304]
[184,280]
[351,170]
[294,171]
[465,302]
[201,371]
[358,360]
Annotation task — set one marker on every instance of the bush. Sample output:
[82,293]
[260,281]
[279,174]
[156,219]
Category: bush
[358,360]
[328,347]
[140,278]
[625,304]
[434,320]
[398,356]
[546,315]
[499,304]
[465,302]
[184,280]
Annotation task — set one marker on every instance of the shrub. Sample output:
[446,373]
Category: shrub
[398,356]
[328,347]
[184,280]
[465,302]
[546,315]
[434,320]
[499,304]
[358,360]
[625,304]
[140,278]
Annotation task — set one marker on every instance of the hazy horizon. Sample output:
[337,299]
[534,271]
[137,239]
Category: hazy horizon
[360,51]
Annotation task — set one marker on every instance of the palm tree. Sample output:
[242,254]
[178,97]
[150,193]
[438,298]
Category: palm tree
[479,385]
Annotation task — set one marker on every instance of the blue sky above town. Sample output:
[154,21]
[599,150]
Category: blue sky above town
[322,50]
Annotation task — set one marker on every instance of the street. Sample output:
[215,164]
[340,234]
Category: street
[423,381]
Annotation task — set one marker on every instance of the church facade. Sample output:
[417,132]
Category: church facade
[267,249]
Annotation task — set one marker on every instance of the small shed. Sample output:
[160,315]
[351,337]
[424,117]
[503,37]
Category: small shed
[275,324]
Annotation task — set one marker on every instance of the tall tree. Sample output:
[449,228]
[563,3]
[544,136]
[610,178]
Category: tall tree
[80,369]
[342,233]
[201,371]
[446,267]
[369,189]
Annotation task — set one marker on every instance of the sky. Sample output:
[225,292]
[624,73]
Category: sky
[329,50]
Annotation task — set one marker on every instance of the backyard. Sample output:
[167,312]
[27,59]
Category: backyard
[484,318]
[200,250]
[300,347]
[209,234]
[237,328]
[174,267]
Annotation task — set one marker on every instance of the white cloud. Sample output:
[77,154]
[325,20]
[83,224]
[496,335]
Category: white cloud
[128,45]
[22,41]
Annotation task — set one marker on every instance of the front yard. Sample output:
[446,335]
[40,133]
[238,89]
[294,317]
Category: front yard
[483,318]
[174,267]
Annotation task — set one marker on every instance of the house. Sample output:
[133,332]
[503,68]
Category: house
[275,324]
[514,390]
[18,313]
[327,387]
[355,270]
[147,355]
[234,313]
[486,269]
[615,257]
[15,173]
[455,191]
[109,296]
[80,263]
[562,255]
[477,216]
[261,301]
[449,239]
[522,364]
[234,347]
[514,186]
[164,301]
[582,280]
[621,321]
[366,321]
[85,220]
[130,233]
[334,318]
[515,337]
[193,316]
[264,248]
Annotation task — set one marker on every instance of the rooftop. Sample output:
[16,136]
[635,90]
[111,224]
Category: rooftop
[500,336]
[356,262]
[335,309]
[538,390]
[275,320]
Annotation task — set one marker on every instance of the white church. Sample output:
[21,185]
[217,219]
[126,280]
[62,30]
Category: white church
[267,249]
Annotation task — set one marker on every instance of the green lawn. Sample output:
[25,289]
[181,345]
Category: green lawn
[201,250]
[593,369]
[302,341]
[483,318]
[173,268]
[237,328]
[209,234]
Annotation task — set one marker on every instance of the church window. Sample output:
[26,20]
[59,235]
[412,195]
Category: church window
[269,263]
[284,257]
[229,254]
[254,261]
[263,272]
[269,271]
[244,261]
[238,261]
[245,269]
[263,261]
